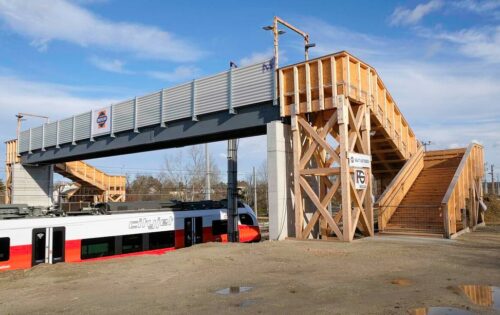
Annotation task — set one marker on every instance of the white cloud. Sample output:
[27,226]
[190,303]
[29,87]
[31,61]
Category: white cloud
[450,104]
[110,65]
[485,7]
[55,101]
[46,21]
[482,43]
[404,16]
[256,57]
[332,38]
[179,74]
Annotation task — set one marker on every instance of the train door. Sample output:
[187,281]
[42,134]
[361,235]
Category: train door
[48,245]
[193,231]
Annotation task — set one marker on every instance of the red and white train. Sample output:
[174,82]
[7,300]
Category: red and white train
[26,242]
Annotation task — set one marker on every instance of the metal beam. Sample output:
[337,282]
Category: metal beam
[232,191]
[250,121]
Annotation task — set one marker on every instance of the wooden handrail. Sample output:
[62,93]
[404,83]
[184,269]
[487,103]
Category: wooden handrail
[468,172]
[95,177]
[399,187]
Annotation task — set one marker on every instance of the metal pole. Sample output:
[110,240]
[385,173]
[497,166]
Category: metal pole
[232,193]
[306,49]
[255,193]
[207,174]
[492,179]
[498,184]
[275,33]
[485,190]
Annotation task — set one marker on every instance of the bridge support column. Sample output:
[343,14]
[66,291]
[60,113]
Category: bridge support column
[325,192]
[32,185]
[280,172]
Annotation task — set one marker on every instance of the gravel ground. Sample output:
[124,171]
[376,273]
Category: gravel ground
[380,275]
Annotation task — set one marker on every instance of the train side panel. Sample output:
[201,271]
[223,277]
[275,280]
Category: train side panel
[19,232]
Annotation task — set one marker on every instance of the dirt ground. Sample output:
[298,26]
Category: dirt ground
[380,275]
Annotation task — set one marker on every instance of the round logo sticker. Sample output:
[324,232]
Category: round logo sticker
[102,118]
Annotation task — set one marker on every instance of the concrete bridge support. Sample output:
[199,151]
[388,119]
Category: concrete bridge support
[32,185]
[280,175]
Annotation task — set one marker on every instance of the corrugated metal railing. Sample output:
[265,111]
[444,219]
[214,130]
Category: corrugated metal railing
[225,91]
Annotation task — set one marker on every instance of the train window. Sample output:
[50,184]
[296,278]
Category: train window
[131,243]
[98,247]
[246,219]
[219,227]
[4,248]
[159,240]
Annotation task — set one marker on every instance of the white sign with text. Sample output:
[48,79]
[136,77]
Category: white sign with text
[359,160]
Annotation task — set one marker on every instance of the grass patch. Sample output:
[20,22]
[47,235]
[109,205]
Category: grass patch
[492,215]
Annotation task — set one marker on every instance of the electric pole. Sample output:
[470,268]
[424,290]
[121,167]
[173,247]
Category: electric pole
[255,193]
[485,191]
[492,179]
[425,144]
[207,174]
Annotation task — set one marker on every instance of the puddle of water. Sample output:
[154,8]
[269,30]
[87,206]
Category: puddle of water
[483,295]
[233,290]
[439,311]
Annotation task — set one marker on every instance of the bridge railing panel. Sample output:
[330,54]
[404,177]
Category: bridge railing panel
[83,126]
[225,91]
[149,109]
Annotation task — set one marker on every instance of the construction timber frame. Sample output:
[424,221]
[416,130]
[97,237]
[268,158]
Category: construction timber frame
[336,103]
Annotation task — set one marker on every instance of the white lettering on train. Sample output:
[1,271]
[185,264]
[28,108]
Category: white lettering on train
[150,224]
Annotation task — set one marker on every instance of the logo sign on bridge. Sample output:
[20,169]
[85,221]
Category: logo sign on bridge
[101,121]
[359,160]
[360,178]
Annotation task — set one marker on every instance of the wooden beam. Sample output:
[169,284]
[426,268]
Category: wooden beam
[326,171]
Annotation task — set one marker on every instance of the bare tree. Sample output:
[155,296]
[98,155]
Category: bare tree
[185,171]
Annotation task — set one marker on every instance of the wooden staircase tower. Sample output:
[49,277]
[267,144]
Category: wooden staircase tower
[339,107]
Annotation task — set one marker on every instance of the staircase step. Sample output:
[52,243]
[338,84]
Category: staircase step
[419,211]
[408,232]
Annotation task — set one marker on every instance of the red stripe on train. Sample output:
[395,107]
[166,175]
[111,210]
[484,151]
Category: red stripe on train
[20,256]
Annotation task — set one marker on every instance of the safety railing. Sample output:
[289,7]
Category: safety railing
[226,91]
[399,187]
[93,176]
[315,85]
[466,180]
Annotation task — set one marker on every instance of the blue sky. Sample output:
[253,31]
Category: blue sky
[439,59]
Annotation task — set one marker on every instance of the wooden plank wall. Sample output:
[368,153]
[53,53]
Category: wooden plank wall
[321,80]
[465,190]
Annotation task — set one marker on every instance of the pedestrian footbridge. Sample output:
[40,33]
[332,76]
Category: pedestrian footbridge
[342,158]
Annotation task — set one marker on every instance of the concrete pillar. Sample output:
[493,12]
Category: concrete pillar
[280,175]
[32,185]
